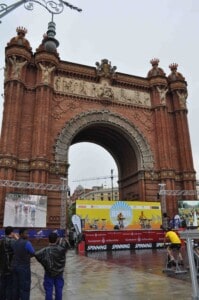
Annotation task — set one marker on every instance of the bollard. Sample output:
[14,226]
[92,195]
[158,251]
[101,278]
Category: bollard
[81,247]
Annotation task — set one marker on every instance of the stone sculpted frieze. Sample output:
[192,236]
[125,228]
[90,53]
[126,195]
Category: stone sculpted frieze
[101,91]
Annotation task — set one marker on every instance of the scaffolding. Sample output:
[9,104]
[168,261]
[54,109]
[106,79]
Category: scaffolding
[64,189]
[179,192]
[32,185]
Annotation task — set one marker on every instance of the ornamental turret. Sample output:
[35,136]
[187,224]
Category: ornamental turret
[18,55]
[46,56]
[155,71]
[20,39]
[46,62]
[175,75]
[158,83]
[178,87]
[176,79]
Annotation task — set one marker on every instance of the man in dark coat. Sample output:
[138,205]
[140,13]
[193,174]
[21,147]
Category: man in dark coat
[6,255]
[53,258]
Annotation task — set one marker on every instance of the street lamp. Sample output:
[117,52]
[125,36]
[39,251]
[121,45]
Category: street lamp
[65,192]
[162,193]
[53,6]
[112,183]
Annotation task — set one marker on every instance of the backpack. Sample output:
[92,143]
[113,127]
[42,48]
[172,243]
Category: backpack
[6,254]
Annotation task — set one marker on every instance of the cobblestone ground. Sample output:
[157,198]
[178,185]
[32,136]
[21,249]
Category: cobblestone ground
[120,275]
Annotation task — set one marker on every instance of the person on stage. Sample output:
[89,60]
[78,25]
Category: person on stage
[120,219]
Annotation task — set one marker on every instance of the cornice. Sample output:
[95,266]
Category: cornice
[87,72]
[49,57]
[178,85]
[18,51]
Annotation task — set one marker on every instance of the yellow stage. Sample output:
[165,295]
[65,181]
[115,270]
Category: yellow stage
[104,215]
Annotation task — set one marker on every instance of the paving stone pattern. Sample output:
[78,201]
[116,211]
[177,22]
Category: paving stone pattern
[121,275]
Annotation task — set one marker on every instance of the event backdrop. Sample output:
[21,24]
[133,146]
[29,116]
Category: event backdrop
[104,214]
[189,211]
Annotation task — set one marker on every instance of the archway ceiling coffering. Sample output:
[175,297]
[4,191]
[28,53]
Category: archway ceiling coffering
[118,136]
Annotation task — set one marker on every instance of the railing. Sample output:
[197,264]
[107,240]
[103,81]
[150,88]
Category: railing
[189,236]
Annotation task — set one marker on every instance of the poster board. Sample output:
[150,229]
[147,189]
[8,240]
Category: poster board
[188,211]
[23,210]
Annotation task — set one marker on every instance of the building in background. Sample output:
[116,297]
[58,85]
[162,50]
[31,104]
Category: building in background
[96,193]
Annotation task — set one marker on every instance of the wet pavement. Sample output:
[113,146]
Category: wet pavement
[119,275]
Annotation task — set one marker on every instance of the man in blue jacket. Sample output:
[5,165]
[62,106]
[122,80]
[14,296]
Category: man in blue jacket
[53,258]
[23,251]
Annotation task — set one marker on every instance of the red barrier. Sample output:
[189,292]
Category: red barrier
[96,237]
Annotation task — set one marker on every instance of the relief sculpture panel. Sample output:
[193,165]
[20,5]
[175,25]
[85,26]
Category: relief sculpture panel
[102,91]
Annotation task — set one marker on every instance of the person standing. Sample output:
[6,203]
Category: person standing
[120,219]
[23,251]
[53,258]
[6,255]
[177,221]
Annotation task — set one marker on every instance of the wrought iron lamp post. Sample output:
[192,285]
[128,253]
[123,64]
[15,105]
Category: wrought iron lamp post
[53,6]
[65,196]
[162,193]
[112,183]
[50,43]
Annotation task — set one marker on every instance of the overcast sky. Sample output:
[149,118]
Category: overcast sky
[128,33]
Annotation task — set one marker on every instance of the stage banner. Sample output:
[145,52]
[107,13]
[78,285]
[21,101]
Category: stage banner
[109,215]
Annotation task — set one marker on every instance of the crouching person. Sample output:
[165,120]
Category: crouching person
[53,258]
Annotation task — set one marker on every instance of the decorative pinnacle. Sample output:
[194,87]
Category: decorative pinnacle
[104,69]
[49,40]
[154,62]
[22,30]
[173,67]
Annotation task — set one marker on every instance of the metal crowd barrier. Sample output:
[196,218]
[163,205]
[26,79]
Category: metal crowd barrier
[189,235]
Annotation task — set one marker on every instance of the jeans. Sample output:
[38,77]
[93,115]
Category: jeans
[56,281]
[6,286]
[21,282]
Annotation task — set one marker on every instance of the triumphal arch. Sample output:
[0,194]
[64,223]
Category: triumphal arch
[50,104]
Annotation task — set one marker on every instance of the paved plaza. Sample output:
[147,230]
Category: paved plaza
[119,275]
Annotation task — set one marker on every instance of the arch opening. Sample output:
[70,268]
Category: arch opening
[121,139]
[91,166]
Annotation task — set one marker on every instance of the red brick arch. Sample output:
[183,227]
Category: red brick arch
[50,105]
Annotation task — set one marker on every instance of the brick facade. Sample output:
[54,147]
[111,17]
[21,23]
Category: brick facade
[51,104]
